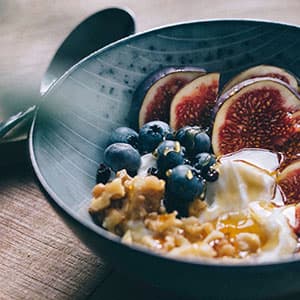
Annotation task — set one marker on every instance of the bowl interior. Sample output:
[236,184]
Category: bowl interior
[73,124]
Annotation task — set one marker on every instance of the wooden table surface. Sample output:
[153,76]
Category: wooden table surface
[40,258]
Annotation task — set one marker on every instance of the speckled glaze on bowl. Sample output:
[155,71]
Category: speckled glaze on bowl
[72,126]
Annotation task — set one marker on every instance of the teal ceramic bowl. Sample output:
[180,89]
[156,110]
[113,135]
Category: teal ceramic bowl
[73,124]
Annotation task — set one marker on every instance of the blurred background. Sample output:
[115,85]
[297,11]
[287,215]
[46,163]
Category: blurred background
[32,30]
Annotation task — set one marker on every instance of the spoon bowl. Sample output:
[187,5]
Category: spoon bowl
[98,30]
[95,32]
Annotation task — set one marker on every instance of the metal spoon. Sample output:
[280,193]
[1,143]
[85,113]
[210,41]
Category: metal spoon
[95,32]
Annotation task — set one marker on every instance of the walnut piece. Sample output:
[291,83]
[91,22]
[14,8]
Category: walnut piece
[144,195]
[249,242]
[139,197]
[103,194]
[196,207]
[115,218]
[160,223]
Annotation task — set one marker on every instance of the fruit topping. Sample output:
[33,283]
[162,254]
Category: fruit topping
[263,71]
[122,156]
[297,220]
[153,171]
[255,114]
[289,182]
[103,174]
[182,188]
[194,103]
[168,146]
[211,175]
[194,139]
[292,145]
[157,91]
[169,155]
[124,135]
[151,134]
[181,134]
[203,162]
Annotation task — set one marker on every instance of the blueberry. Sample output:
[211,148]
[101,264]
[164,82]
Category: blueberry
[186,161]
[152,171]
[182,188]
[167,146]
[151,134]
[124,135]
[103,174]
[171,160]
[169,155]
[170,136]
[181,134]
[203,161]
[172,203]
[211,175]
[197,173]
[202,142]
[122,156]
[194,139]
[183,183]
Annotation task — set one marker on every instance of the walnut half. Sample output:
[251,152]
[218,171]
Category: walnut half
[104,194]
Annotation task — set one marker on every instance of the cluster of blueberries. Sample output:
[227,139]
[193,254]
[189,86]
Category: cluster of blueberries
[184,160]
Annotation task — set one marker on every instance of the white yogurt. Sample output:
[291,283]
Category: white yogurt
[147,161]
[239,183]
[247,184]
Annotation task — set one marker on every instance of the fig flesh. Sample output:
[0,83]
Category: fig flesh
[289,182]
[158,90]
[297,220]
[263,71]
[194,103]
[257,113]
[291,148]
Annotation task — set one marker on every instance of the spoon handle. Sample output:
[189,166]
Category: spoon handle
[11,122]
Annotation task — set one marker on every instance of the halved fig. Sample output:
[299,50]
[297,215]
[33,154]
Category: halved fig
[194,103]
[297,220]
[263,71]
[289,182]
[158,90]
[257,113]
[291,148]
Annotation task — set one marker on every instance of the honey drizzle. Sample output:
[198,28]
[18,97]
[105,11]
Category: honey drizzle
[234,223]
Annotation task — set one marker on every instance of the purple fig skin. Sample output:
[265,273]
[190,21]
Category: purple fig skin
[145,85]
[194,91]
[227,95]
[223,97]
[263,71]
[288,181]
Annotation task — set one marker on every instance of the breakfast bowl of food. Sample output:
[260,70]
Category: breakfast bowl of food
[174,154]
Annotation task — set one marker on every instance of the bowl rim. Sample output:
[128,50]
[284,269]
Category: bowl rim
[110,236]
[156,29]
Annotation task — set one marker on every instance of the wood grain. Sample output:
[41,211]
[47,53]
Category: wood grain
[40,258]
